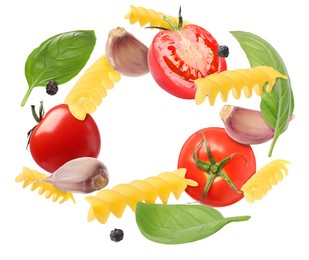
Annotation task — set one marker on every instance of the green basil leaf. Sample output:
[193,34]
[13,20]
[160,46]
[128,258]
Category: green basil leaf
[177,224]
[277,106]
[59,58]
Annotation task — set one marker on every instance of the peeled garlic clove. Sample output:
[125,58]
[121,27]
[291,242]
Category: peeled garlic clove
[126,54]
[245,126]
[81,175]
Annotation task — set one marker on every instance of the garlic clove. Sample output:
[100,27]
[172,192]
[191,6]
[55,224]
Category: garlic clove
[126,54]
[245,126]
[81,175]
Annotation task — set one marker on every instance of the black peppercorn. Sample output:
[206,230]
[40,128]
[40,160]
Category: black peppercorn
[223,51]
[51,88]
[116,235]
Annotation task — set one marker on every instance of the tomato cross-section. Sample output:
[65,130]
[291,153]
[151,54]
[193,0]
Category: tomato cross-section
[177,57]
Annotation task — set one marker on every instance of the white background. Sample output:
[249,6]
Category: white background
[143,129]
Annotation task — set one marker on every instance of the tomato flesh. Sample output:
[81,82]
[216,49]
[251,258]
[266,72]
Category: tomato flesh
[177,58]
[60,137]
[239,168]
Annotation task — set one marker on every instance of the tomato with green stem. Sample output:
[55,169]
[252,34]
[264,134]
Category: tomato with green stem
[218,164]
[59,137]
[178,56]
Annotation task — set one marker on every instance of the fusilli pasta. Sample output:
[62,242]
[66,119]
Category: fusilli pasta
[263,180]
[116,199]
[91,88]
[148,16]
[33,178]
[236,81]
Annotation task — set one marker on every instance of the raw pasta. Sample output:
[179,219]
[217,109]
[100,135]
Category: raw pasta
[34,178]
[91,88]
[116,199]
[148,16]
[236,81]
[263,180]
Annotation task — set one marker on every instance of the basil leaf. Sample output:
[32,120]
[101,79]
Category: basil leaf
[177,224]
[277,106]
[59,58]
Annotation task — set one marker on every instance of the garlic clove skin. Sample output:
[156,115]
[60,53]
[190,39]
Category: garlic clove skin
[126,54]
[246,126]
[81,175]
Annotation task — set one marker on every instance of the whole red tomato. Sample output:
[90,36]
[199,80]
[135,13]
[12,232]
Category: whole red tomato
[218,164]
[177,57]
[59,137]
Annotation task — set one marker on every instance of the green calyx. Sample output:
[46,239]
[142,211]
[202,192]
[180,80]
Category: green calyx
[37,117]
[173,25]
[213,168]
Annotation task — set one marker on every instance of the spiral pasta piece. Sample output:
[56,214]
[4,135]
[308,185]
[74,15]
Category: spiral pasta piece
[33,178]
[148,16]
[91,88]
[245,80]
[116,199]
[263,180]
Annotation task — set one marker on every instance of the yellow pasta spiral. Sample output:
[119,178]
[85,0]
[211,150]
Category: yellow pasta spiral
[236,81]
[33,178]
[263,180]
[116,199]
[91,88]
[148,16]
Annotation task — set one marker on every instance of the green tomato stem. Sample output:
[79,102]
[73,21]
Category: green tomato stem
[213,168]
[171,24]
[180,21]
[38,117]
[210,180]
[174,27]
